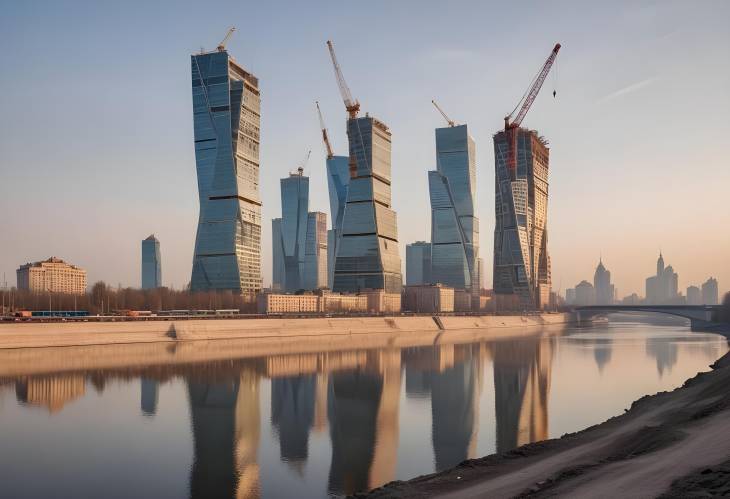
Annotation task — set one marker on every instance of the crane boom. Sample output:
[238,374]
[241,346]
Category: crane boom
[222,44]
[352,106]
[325,136]
[529,98]
[300,170]
[448,120]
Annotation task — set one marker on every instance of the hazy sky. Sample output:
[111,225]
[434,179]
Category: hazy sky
[96,136]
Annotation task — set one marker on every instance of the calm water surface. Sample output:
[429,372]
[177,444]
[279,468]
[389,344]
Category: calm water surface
[329,423]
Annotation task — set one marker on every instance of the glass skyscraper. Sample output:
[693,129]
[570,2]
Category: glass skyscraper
[521,261]
[367,252]
[338,179]
[418,263]
[151,265]
[454,225]
[299,239]
[226,118]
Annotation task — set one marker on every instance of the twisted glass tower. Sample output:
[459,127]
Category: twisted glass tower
[521,260]
[367,251]
[454,225]
[338,179]
[226,117]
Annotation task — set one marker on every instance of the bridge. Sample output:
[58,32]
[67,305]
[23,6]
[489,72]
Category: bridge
[702,317]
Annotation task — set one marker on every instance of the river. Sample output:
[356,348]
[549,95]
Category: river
[327,423]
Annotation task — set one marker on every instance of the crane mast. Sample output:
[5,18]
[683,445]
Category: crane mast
[222,44]
[325,136]
[352,105]
[448,120]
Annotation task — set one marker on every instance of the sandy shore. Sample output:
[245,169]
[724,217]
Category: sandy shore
[672,444]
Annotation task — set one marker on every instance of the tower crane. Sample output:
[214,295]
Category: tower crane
[325,136]
[448,120]
[512,126]
[352,105]
[300,170]
[530,96]
[222,44]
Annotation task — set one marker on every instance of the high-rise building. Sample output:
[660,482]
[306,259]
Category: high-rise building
[662,288]
[52,275]
[605,294]
[710,295]
[367,251]
[418,263]
[694,296]
[585,294]
[226,118]
[454,225]
[151,263]
[338,179]
[299,239]
[315,251]
[521,261]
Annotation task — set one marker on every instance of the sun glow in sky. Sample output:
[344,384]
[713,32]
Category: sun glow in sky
[96,137]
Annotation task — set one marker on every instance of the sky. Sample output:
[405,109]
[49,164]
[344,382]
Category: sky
[96,133]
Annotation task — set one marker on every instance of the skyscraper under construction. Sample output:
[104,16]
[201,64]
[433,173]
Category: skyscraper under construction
[521,161]
[521,260]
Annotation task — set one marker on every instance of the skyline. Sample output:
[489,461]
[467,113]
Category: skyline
[659,168]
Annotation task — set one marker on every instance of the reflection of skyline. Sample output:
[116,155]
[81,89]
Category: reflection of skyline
[149,395]
[602,350]
[664,351]
[521,389]
[292,415]
[53,393]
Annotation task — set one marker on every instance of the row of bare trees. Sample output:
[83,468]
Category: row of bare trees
[103,298]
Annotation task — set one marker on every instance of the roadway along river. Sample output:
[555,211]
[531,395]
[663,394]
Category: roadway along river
[334,422]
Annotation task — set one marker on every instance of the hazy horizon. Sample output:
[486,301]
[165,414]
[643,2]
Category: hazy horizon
[97,131]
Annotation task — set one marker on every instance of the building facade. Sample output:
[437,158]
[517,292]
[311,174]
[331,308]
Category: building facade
[694,295]
[299,239]
[226,119]
[52,275]
[151,263]
[338,180]
[454,225]
[521,261]
[428,298]
[585,294]
[367,255]
[605,294]
[418,263]
[662,288]
[710,294]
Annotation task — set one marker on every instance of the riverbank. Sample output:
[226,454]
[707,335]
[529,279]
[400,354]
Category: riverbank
[672,444]
[41,335]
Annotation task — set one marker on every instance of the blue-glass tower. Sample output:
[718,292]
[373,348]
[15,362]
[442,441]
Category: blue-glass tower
[454,225]
[367,251]
[226,118]
[418,263]
[299,239]
[338,179]
[151,263]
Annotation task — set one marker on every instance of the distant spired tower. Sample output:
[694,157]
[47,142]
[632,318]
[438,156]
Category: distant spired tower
[226,115]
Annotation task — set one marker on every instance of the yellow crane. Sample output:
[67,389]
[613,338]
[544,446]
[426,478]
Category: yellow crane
[448,120]
[325,136]
[352,105]
[222,44]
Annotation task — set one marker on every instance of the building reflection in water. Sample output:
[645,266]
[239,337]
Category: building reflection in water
[53,393]
[602,350]
[663,351]
[354,395]
[521,389]
[225,422]
[148,397]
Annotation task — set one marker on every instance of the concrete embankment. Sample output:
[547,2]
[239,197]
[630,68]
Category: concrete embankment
[32,335]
